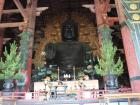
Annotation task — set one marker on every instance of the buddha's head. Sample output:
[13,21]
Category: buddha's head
[69,31]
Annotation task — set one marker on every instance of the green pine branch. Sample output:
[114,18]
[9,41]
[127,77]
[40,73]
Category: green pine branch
[106,64]
[11,65]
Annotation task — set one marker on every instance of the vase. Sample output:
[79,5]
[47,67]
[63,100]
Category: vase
[111,82]
[20,85]
[8,87]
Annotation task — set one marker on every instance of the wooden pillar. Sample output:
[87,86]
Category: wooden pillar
[1,40]
[101,8]
[31,29]
[1,7]
[133,67]
[1,30]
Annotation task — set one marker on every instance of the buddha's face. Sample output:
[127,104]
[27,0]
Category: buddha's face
[69,31]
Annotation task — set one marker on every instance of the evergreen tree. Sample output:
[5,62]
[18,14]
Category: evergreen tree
[10,65]
[106,64]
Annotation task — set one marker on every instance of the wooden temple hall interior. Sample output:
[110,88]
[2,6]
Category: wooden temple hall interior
[66,46]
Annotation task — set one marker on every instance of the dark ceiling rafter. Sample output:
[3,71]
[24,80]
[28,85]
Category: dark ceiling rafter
[16,24]
[53,7]
[11,11]
[21,9]
[50,6]
[23,12]
[62,5]
[92,7]
[79,5]
[10,25]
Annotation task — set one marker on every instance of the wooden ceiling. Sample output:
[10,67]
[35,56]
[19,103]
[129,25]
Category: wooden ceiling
[56,7]
[61,4]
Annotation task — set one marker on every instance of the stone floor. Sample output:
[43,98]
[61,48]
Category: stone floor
[69,101]
[65,102]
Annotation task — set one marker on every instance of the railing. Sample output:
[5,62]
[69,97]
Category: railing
[1,101]
[20,95]
[79,94]
[102,96]
[96,94]
[128,96]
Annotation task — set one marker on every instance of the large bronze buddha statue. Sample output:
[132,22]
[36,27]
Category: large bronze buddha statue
[70,52]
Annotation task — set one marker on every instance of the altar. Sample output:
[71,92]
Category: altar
[71,85]
[79,88]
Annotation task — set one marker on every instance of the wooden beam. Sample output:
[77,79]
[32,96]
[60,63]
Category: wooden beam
[116,19]
[21,9]
[1,29]
[92,7]
[122,96]
[18,24]
[121,50]
[112,20]
[5,40]
[38,10]
[101,12]
[1,40]
[9,25]
[1,7]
